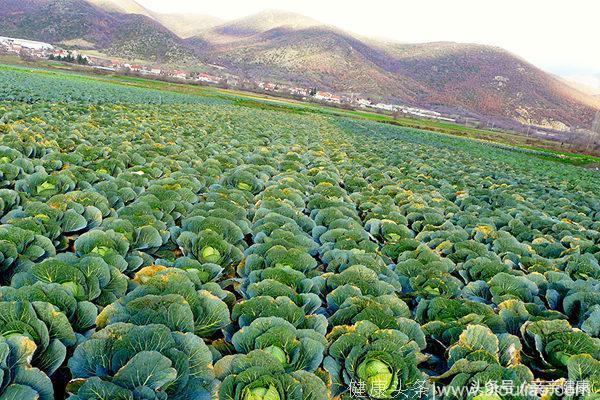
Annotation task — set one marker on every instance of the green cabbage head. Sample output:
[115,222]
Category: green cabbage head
[259,376]
[262,393]
[379,378]
[384,360]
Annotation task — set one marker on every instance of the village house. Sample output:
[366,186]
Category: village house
[364,102]
[20,44]
[298,91]
[268,86]
[179,74]
[59,53]
[329,97]
[204,77]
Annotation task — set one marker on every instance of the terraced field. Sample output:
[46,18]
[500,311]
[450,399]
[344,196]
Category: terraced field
[157,245]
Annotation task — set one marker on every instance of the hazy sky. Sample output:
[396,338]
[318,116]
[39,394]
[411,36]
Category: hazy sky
[560,36]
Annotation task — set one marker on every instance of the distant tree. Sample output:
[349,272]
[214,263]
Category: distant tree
[69,58]
[81,60]
[312,91]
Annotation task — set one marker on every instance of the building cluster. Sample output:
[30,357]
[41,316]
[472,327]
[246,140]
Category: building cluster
[352,101]
[45,50]
[329,97]
[152,70]
[157,71]
[409,111]
[31,47]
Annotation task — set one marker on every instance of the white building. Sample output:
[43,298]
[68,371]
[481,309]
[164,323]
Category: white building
[24,43]
[386,107]
[364,102]
[298,91]
[422,112]
[179,74]
[329,97]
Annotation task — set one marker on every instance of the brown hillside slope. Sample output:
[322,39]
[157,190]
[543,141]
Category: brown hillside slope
[62,21]
[487,80]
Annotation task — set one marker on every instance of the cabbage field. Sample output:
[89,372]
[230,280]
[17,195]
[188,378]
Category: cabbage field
[156,245]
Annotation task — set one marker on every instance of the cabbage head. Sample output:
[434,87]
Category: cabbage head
[124,361]
[44,325]
[169,297]
[81,314]
[384,360]
[296,349]
[87,278]
[259,375]
[20,380]
[209,247]
[246,311]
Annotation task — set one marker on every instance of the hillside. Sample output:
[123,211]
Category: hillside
[262,22]
[491,81]
[187,25]
[314,56]
[183,25]
[484,79]
[288,47]
[122,6]
[90,26]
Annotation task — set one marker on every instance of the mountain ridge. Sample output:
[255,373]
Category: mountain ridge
[121,6]
[183,25]
[485,79]
[589,83]
[290,48]
[189,25]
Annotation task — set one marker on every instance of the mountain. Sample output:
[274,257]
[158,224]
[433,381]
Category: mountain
[248,27]
[263,22]
[187,25]
[122,6]
[493,82]
[98,24]
[484,79]
[183,25]
[313,56]
[285,47]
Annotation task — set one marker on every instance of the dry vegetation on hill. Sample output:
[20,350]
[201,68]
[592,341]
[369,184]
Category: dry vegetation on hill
[287,47]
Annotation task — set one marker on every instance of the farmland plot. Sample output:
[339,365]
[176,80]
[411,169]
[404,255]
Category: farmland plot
[163,246]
